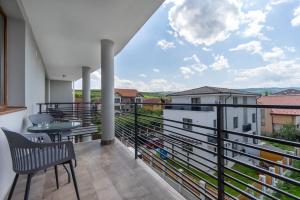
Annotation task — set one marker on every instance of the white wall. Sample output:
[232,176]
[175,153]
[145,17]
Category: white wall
[26,87]
[61,91]
[34,74]
[205,118]
[15,122]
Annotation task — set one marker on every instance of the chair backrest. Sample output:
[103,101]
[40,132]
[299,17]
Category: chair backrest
[18,145]
[40,118]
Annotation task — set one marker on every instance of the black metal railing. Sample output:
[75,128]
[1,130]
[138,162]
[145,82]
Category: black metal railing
[207,160]
[87,113]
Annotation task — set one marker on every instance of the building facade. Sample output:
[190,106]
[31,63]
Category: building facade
[124,97]
[242,120]
[272,120]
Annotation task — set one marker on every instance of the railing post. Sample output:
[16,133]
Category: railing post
[40,108]
[135,131]
[220,152]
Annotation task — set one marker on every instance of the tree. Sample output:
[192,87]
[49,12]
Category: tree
[289,132]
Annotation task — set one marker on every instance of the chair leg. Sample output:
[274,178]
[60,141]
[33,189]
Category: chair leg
[74,179]
[56,177]
[13,187]
[69,176]
[27,186]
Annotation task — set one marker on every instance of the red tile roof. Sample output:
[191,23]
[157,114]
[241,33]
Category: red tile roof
[281,100]
[152,100]
[127,92]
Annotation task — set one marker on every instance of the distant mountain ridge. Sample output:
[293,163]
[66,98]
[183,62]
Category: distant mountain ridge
[270,90]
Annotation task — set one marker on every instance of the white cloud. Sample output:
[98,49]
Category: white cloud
[164,44]
[220,63]
[275,54]
[194,57]
[189,70]
[296,17]
[149,86]
[279,74]
[143,75]
[255,20]
[156,70]
[218,19]
[253,47]
[206,49]
[290,49]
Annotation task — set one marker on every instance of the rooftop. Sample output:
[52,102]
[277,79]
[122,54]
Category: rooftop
[103,172]
[127,92]
[281,100]
[212,90]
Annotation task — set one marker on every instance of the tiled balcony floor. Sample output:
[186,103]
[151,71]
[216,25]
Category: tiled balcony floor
[103,172]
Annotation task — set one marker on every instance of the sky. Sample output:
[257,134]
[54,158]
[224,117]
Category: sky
[223,43]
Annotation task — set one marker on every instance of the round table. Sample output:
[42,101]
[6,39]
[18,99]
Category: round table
[55,128]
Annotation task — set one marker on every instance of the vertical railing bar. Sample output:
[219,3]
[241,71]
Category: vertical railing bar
[220,153]
[135,131]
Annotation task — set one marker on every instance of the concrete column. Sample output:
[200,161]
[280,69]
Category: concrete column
[86,94]
[107,90]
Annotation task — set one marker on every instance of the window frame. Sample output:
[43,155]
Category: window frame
[198,100]
[235,125]
[3,105]
[235,100]
[253,117]
[187,126]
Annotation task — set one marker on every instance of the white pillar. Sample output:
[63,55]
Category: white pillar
[86,94]
[107,90]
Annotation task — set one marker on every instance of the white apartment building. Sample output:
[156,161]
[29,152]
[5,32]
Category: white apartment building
[243,120]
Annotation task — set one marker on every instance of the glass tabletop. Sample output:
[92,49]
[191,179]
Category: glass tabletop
[53,127]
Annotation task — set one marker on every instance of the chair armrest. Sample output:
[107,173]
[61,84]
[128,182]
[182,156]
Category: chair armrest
[38,137]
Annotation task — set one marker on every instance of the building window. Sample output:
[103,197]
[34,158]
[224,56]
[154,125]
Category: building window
[253,117]
[138,100]
[196,100]
[117,100]
[245,139]
[235,100]
[212,139]
[187,125]
[3,70]
[235,122]
[215,126]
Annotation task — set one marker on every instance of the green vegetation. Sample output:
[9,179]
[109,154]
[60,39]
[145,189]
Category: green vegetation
[288,132]
[95,95]
[191,171]
[288,187]
[282,146]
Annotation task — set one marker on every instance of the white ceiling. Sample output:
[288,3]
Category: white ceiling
[68,32]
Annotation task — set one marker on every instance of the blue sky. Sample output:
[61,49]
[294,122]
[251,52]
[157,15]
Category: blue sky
[225,43]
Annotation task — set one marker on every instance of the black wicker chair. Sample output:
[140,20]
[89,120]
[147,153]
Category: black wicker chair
[29,157]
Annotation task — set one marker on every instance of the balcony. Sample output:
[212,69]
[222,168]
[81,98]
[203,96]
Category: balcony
[190,107]
[172,162]
[107,172]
